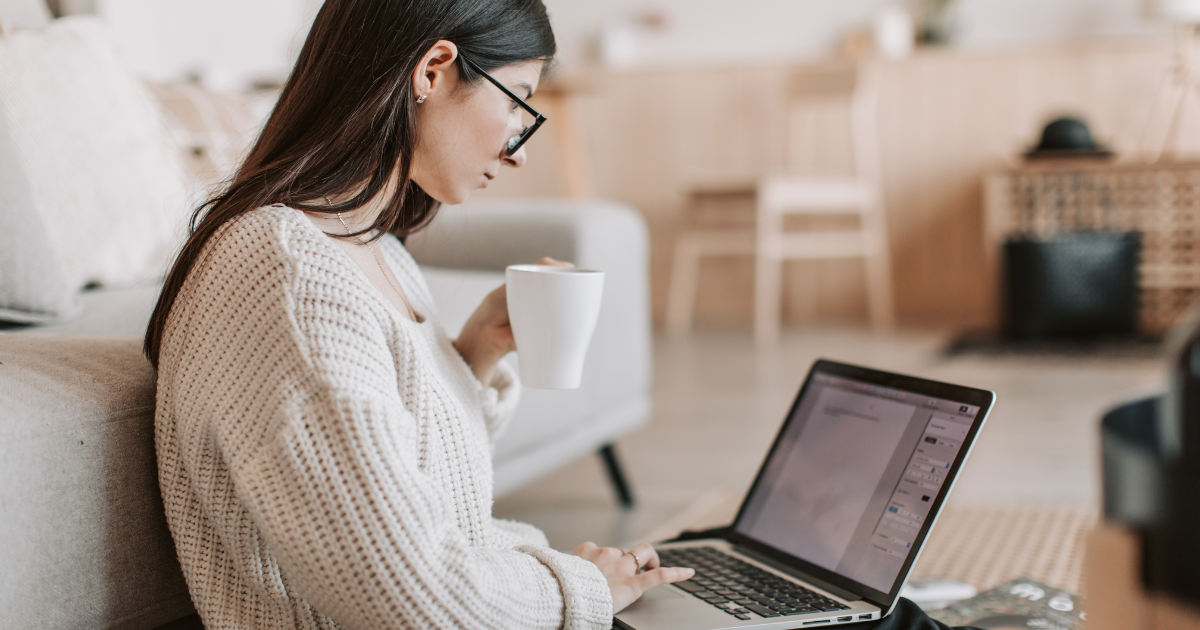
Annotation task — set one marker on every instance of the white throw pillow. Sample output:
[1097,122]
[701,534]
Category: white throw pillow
[86,169]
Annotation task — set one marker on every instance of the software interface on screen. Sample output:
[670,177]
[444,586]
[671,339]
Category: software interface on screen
[854,475]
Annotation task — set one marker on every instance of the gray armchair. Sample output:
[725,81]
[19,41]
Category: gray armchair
[464,254]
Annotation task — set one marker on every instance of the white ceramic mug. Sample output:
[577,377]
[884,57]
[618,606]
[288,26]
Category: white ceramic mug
[553,311]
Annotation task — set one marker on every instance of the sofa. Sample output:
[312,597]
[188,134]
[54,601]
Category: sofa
[85,541]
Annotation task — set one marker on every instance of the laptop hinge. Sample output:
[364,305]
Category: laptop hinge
[798,574]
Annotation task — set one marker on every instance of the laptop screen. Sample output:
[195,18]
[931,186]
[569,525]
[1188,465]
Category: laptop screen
[854,475]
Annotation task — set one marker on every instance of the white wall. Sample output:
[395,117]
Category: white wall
[237,41]
[229,43]
[741,31]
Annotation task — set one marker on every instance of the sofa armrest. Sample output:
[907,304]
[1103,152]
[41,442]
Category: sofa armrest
[611,237]
[494,234]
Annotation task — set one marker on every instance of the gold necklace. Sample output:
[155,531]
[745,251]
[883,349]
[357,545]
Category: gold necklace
[379,261]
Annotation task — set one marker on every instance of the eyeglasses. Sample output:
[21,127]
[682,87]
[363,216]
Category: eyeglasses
[515,142]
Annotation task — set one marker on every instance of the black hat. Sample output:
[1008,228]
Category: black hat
[1067,137]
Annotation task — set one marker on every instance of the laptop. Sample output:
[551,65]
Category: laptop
[838,513]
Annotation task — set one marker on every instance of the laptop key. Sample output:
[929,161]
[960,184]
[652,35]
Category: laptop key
[689,586]
[743,616]
[763,611]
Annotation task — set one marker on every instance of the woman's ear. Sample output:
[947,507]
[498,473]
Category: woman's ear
[436,72]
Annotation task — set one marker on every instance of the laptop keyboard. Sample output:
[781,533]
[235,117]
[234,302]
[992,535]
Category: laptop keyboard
[739,588]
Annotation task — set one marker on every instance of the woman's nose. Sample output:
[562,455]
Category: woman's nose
[516,160]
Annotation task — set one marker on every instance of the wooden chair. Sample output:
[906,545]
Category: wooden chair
[779,196]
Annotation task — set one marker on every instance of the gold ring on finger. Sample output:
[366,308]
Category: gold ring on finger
[636,561]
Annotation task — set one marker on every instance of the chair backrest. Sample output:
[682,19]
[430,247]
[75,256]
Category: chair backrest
[831,120]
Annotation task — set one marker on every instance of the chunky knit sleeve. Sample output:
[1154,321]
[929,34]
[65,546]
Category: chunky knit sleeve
[524,533]
[325,457]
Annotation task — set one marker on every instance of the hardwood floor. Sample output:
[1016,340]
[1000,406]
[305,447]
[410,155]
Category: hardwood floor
[719,401]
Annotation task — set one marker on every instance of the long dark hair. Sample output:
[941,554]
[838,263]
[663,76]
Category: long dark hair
[345,122]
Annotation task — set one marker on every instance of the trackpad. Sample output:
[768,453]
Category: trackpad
[660,592]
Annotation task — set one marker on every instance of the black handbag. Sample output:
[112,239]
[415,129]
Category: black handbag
[1077,284]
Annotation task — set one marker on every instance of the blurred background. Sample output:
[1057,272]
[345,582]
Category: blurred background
[1000,193]
[661,99]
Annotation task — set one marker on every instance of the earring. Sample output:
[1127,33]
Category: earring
[421,99]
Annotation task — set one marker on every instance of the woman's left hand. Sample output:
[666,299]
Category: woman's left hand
[488,336]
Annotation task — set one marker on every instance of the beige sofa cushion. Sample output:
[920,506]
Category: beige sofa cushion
[86,544]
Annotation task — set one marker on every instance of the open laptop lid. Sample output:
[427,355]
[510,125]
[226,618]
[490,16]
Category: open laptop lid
[857,475]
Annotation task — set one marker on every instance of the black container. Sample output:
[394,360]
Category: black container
[1173,543]
[1151,453]
[1172,547]
[1079,284]
[1134,477]
[1147,490]
[1179,420]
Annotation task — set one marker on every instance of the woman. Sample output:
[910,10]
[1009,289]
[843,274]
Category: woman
[324,447]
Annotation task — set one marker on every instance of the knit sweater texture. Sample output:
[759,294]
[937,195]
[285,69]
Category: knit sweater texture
[325,462]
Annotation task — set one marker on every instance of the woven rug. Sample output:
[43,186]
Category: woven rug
[989,546]
[983,547]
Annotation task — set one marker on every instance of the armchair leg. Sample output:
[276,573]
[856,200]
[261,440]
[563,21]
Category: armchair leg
[616,475]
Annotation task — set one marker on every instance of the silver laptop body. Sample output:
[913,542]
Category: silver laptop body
[838,513]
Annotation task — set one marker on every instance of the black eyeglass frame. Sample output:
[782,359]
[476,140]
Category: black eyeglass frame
[515,142]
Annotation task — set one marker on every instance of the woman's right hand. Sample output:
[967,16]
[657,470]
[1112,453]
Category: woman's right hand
[630,573]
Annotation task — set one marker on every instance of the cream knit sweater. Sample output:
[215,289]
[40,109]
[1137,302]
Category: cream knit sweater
[326,462]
